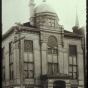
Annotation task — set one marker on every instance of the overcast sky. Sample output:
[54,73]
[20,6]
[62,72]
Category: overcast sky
[18,11]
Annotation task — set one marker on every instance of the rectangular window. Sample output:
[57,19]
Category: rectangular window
[10,61]
[70,68]
[11,70]
[3,53]
[49,22]
[28,62]
[3,56]
[73,61]
[50,70]
[55,67]
[52,61]
[28,46]
[70,60]
[55,51]
[53,22]
[28,69]
[10,47]
[31,74]
[49,51]
[31,69]
[3,73]
[72,50]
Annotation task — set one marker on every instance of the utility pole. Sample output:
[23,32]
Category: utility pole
[20,62]
[20,55]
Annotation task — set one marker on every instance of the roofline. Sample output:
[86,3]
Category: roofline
[11,30]
[73,35]
[69,33]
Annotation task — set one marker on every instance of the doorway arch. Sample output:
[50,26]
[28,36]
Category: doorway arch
[59,84]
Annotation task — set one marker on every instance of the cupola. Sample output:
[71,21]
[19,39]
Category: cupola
[45,15]
[44,7]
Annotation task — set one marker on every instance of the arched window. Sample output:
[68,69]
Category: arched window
[52,53]
[59,84]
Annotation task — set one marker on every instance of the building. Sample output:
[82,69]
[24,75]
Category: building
[41,53]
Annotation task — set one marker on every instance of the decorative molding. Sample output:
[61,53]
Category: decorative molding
[60,76]
[29,31]
[52,41]
[46,36]
[45,27]
[72,36]
[28,46]
[46,14]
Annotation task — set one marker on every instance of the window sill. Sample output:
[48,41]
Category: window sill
[29,77]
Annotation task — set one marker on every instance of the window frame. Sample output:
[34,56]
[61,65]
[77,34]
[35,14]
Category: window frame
[3,52]
[50,22]
[28,69]
[28,62]
[11,69]
[31,51]
[53,54]
[3,73]
[51,68]
[71,64]
[3,55]
[57,67]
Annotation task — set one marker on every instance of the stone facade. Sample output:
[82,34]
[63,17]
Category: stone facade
[42,58]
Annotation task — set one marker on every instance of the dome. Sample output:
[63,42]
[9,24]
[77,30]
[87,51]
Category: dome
[44,7]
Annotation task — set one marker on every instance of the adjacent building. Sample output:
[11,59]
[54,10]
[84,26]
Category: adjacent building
[41,53]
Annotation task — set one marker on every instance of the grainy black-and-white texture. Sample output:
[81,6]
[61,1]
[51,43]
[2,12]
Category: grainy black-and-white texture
[44,44]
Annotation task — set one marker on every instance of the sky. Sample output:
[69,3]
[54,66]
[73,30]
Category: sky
[18,11]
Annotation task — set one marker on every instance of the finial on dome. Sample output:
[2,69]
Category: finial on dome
[44,0]
[31,2]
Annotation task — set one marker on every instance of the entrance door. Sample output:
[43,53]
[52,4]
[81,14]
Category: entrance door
[59,84]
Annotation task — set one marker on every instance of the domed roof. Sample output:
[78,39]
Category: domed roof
[44,7]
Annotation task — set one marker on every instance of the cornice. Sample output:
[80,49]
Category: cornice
[61,76]
[8,32]
[37,30]
[72,35]
[46,13]
[12,30]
